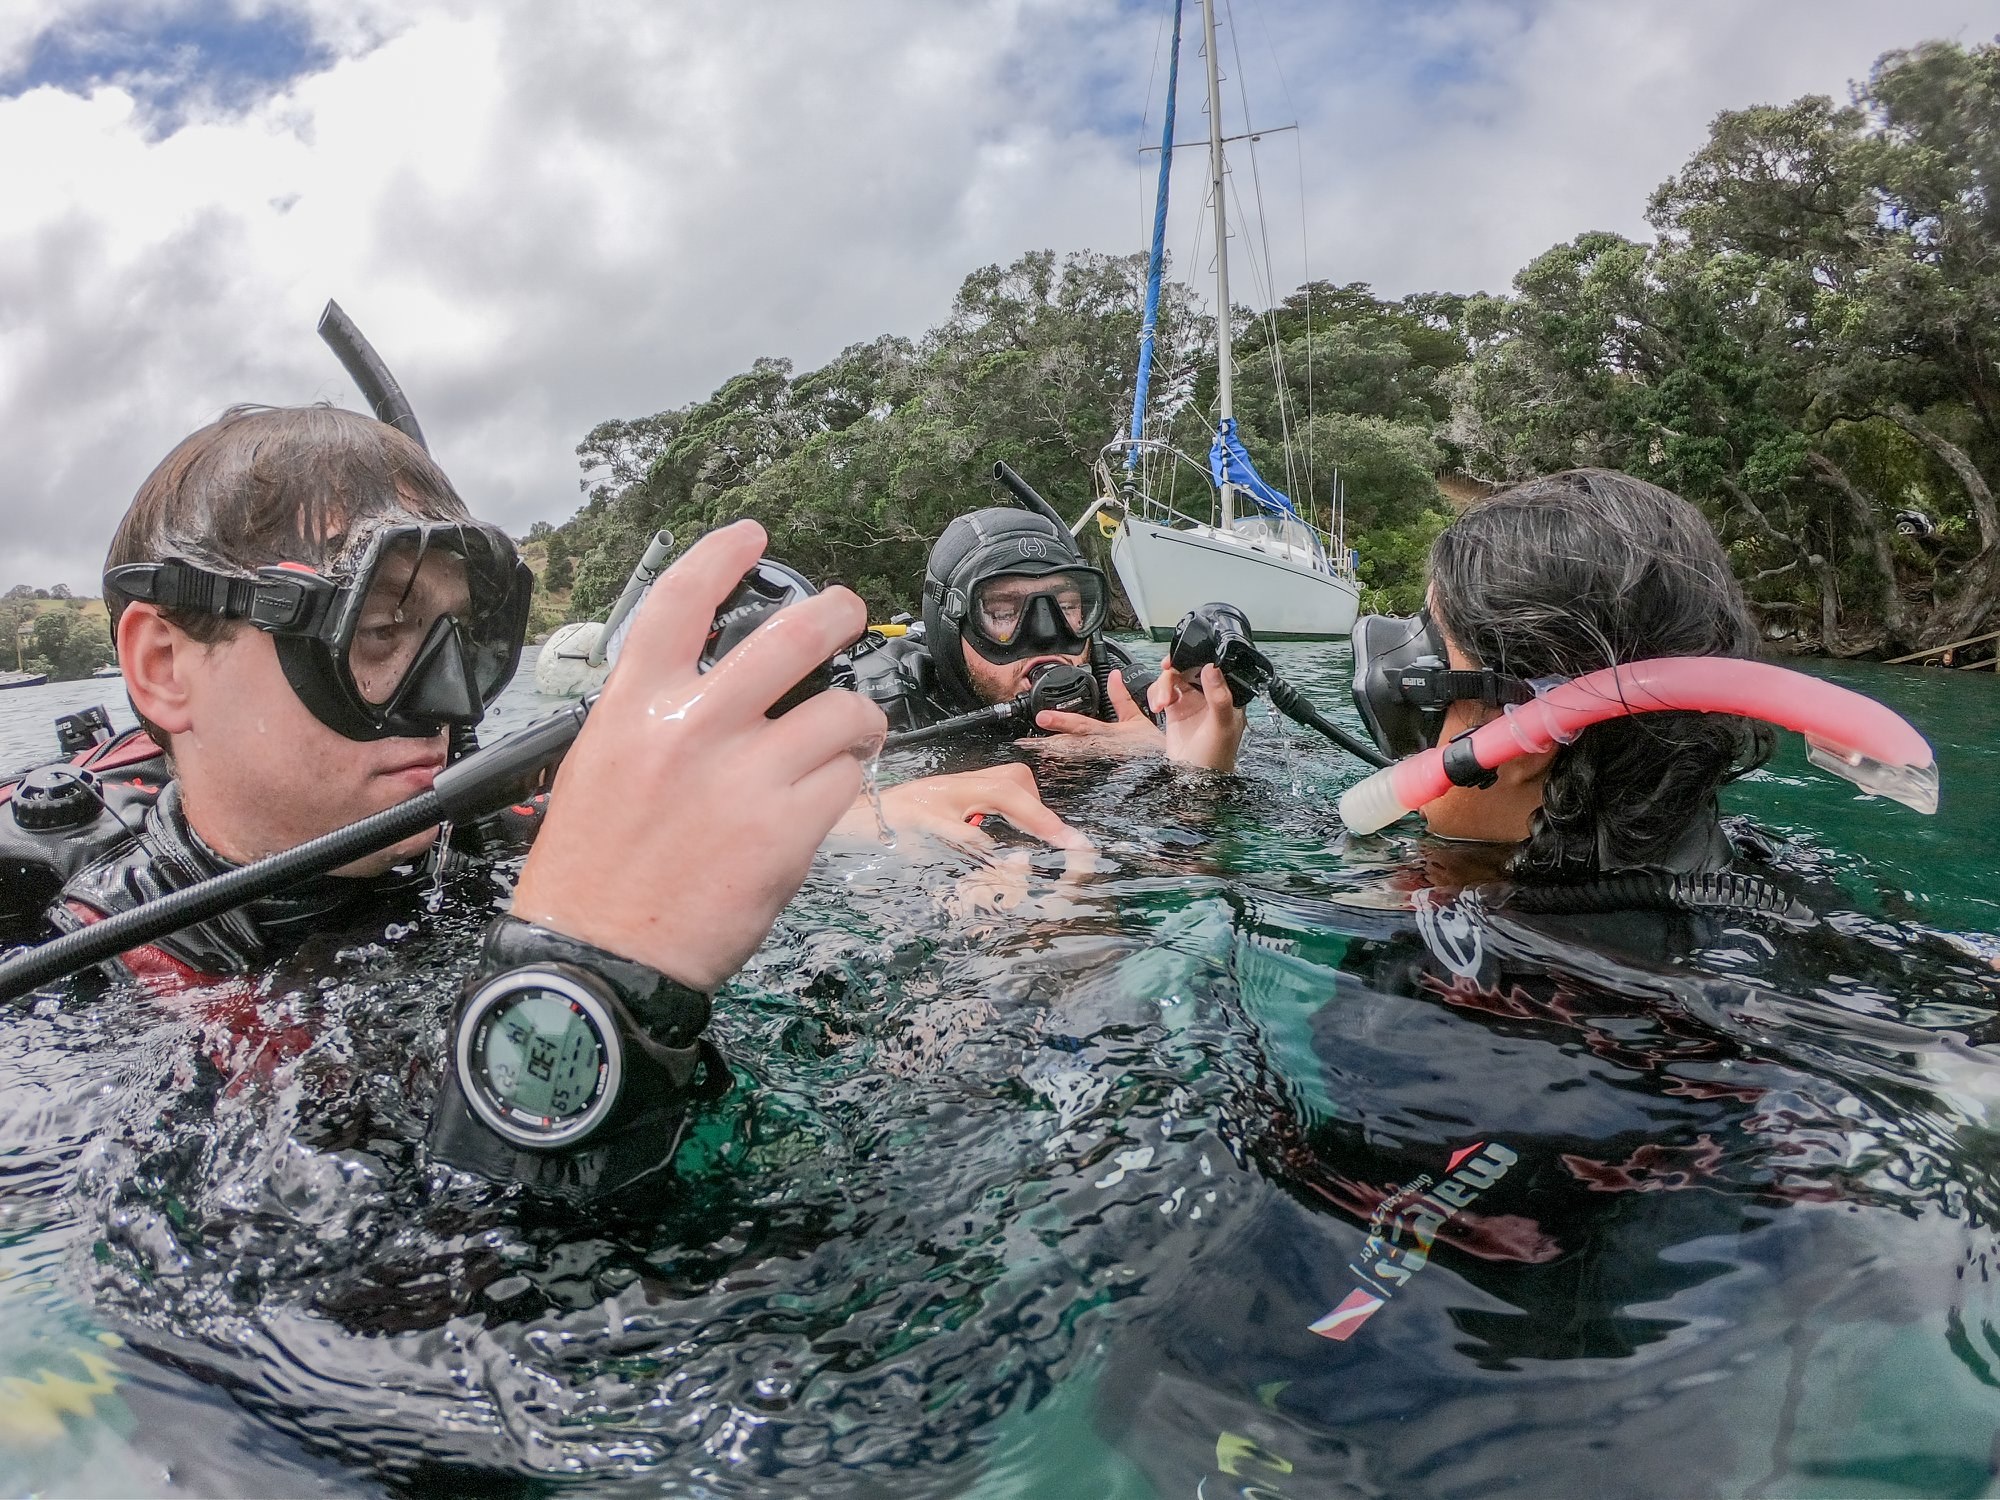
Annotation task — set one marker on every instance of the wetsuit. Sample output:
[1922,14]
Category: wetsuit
[1536,1198]
[139,847]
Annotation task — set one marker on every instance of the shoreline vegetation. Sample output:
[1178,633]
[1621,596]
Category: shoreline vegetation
[1808,349]
[53,631]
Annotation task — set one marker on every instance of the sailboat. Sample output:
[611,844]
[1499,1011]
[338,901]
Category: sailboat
[1253,549]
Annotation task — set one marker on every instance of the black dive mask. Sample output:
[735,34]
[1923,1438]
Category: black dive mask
[421,632]
[1403,682]
[1012,616]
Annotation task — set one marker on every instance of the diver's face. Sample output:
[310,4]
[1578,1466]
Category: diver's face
[259,773]
[997,682]
[1500,813]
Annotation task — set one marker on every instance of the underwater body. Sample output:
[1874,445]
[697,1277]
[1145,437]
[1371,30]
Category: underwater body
[1260,1163]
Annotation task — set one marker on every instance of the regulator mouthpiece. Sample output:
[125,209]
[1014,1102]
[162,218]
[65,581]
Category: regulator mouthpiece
[1221,634]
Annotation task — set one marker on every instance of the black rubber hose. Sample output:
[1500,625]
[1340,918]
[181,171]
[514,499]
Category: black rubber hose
[979,718]
[482,783]
[1025,493]
[210,898]
[364,366]
[1288,701]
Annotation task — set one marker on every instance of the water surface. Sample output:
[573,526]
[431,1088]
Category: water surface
[1036,1189]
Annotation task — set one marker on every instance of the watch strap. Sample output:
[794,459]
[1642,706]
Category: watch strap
[669,1014]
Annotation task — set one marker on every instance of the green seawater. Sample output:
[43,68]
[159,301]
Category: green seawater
[1037,1189]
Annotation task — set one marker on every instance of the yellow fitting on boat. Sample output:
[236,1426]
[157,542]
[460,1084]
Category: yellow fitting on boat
[1107,525]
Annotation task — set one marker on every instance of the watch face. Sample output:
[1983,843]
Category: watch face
[539,1058]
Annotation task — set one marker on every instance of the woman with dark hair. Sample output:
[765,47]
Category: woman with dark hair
[1557,578]
[1552,1172]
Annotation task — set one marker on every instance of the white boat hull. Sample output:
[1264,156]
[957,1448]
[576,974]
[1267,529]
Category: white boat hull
[1168,570]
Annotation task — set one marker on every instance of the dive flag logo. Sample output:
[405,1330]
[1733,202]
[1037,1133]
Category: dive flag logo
[1340,1324]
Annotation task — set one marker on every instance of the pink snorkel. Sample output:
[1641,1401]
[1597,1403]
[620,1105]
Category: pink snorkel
[1852,736]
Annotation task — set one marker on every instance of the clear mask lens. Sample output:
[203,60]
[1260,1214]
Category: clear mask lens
[414,586]
[1003,607]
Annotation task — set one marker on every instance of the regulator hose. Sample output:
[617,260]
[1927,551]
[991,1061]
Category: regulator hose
[1060,686]
[1288,701]
[1220,635]
[482,783]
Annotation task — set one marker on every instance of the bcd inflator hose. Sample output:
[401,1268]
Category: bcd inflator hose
[1850,735]
[1058,686]
[474,787]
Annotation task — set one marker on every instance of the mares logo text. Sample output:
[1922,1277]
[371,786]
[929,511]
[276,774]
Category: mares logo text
[1402,1229]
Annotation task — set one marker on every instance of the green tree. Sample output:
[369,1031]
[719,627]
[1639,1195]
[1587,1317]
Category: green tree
[1809,348]
[854,468]
[69,646]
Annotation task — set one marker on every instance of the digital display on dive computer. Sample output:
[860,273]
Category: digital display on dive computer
[539,1057]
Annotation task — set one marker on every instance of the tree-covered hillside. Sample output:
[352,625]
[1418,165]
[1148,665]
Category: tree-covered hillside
[1810,350]
[856,467]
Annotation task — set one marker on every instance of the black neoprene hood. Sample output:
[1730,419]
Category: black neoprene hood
[984,544]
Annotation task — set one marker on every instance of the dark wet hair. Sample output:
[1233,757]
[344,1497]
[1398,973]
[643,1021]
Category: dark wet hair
[1581,570]
[271,484]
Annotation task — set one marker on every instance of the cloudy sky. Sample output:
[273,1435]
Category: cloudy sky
[545,215]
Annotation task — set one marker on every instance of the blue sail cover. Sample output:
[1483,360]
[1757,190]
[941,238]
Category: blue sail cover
[1229,464]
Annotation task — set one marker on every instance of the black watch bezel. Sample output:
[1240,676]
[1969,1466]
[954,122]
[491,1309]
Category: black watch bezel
[598,1006]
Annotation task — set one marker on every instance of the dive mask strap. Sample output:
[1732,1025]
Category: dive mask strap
[1439,687]
[279,599]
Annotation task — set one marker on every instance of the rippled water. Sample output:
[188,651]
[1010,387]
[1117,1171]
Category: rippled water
[1033,1189]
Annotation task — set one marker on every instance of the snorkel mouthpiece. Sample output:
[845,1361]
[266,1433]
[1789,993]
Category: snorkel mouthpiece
[1852,736]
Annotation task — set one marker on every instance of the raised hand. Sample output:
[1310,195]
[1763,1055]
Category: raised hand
[1204,727]
[684,819]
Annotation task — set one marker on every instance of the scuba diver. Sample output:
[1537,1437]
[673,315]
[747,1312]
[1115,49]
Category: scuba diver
[1545,582]
[311,624]
[1541,1166]
[1007,596]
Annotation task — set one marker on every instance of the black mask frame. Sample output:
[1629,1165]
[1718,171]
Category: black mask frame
[1403,682]
[1044,630]
[463,663]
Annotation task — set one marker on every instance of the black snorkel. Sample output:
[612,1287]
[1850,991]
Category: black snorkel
[1058,685]
[1221,634]
[476,786]
[1024,492]
[365,367]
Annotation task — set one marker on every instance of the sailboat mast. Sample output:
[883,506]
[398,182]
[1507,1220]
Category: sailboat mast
[1150,324]
[1225,392]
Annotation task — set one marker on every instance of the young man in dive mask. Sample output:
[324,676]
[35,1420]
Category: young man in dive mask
[309,622]
[1007,597]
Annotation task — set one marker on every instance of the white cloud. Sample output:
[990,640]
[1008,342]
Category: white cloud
[542,223]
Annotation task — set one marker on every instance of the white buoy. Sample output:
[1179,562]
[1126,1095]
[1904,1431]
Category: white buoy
[563,670]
